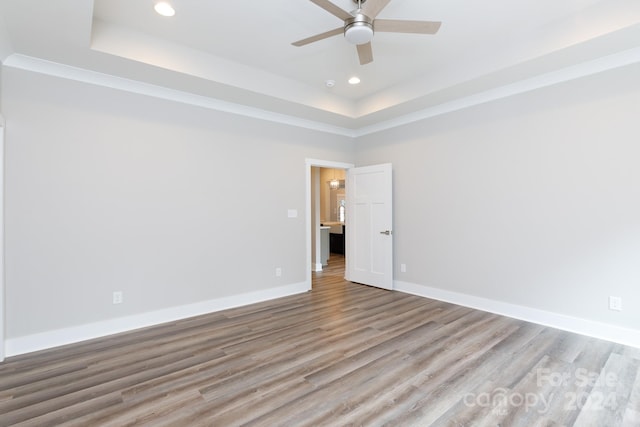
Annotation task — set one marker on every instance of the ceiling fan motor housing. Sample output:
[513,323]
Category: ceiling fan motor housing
[359,29]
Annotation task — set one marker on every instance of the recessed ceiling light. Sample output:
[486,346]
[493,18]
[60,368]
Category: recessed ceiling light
[330,83]
[354,80]
[164,9]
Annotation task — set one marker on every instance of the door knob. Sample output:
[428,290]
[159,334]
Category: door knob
[387,232]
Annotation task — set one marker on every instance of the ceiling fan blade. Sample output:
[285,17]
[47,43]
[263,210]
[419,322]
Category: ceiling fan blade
[317,37]
[365,53]
[373,7]
[333,9]
[402,26]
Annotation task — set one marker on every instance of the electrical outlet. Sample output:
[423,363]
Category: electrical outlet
[278,272]
[117,297]
[403,268]
[615,303]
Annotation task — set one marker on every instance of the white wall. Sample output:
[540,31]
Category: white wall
[5,46]
[533,200]
[169,203]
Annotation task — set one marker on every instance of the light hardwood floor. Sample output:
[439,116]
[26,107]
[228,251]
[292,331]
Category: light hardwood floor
[343,354]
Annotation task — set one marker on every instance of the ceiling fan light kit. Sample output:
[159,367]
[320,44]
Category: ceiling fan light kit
[165,9]
[358,28]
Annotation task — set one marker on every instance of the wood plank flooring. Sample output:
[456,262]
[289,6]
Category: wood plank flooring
[341,355]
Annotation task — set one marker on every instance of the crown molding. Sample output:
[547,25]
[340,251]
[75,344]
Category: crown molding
[573,72]
[610,62]
[64,71]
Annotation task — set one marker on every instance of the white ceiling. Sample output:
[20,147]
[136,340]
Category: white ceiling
[240,53]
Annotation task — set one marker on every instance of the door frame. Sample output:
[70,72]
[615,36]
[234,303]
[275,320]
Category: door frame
[309,163]
[2,291]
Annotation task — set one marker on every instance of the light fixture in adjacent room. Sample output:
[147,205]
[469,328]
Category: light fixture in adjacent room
[354,80]
[334,184]
[165,9]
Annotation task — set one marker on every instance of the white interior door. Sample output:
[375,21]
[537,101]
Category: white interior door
[368,226]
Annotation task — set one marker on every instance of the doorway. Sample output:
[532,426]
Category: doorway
[368,237]
[332,202]
[326,212]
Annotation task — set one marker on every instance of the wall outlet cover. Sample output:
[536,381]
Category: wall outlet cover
[615,303]
[117,297]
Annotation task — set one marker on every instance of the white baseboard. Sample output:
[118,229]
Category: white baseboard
[605,331]
[55,338]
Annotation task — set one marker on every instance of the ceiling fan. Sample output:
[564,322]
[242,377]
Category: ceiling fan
[359,25]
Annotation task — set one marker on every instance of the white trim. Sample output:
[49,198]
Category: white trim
[576,325]
[573,72]
[55,69]
[583,69]
[55,338]
[2,298]
[316,233]
[321,164]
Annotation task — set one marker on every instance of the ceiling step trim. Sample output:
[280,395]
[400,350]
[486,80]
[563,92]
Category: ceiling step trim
[55,69]
[584,69]
[610,62]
